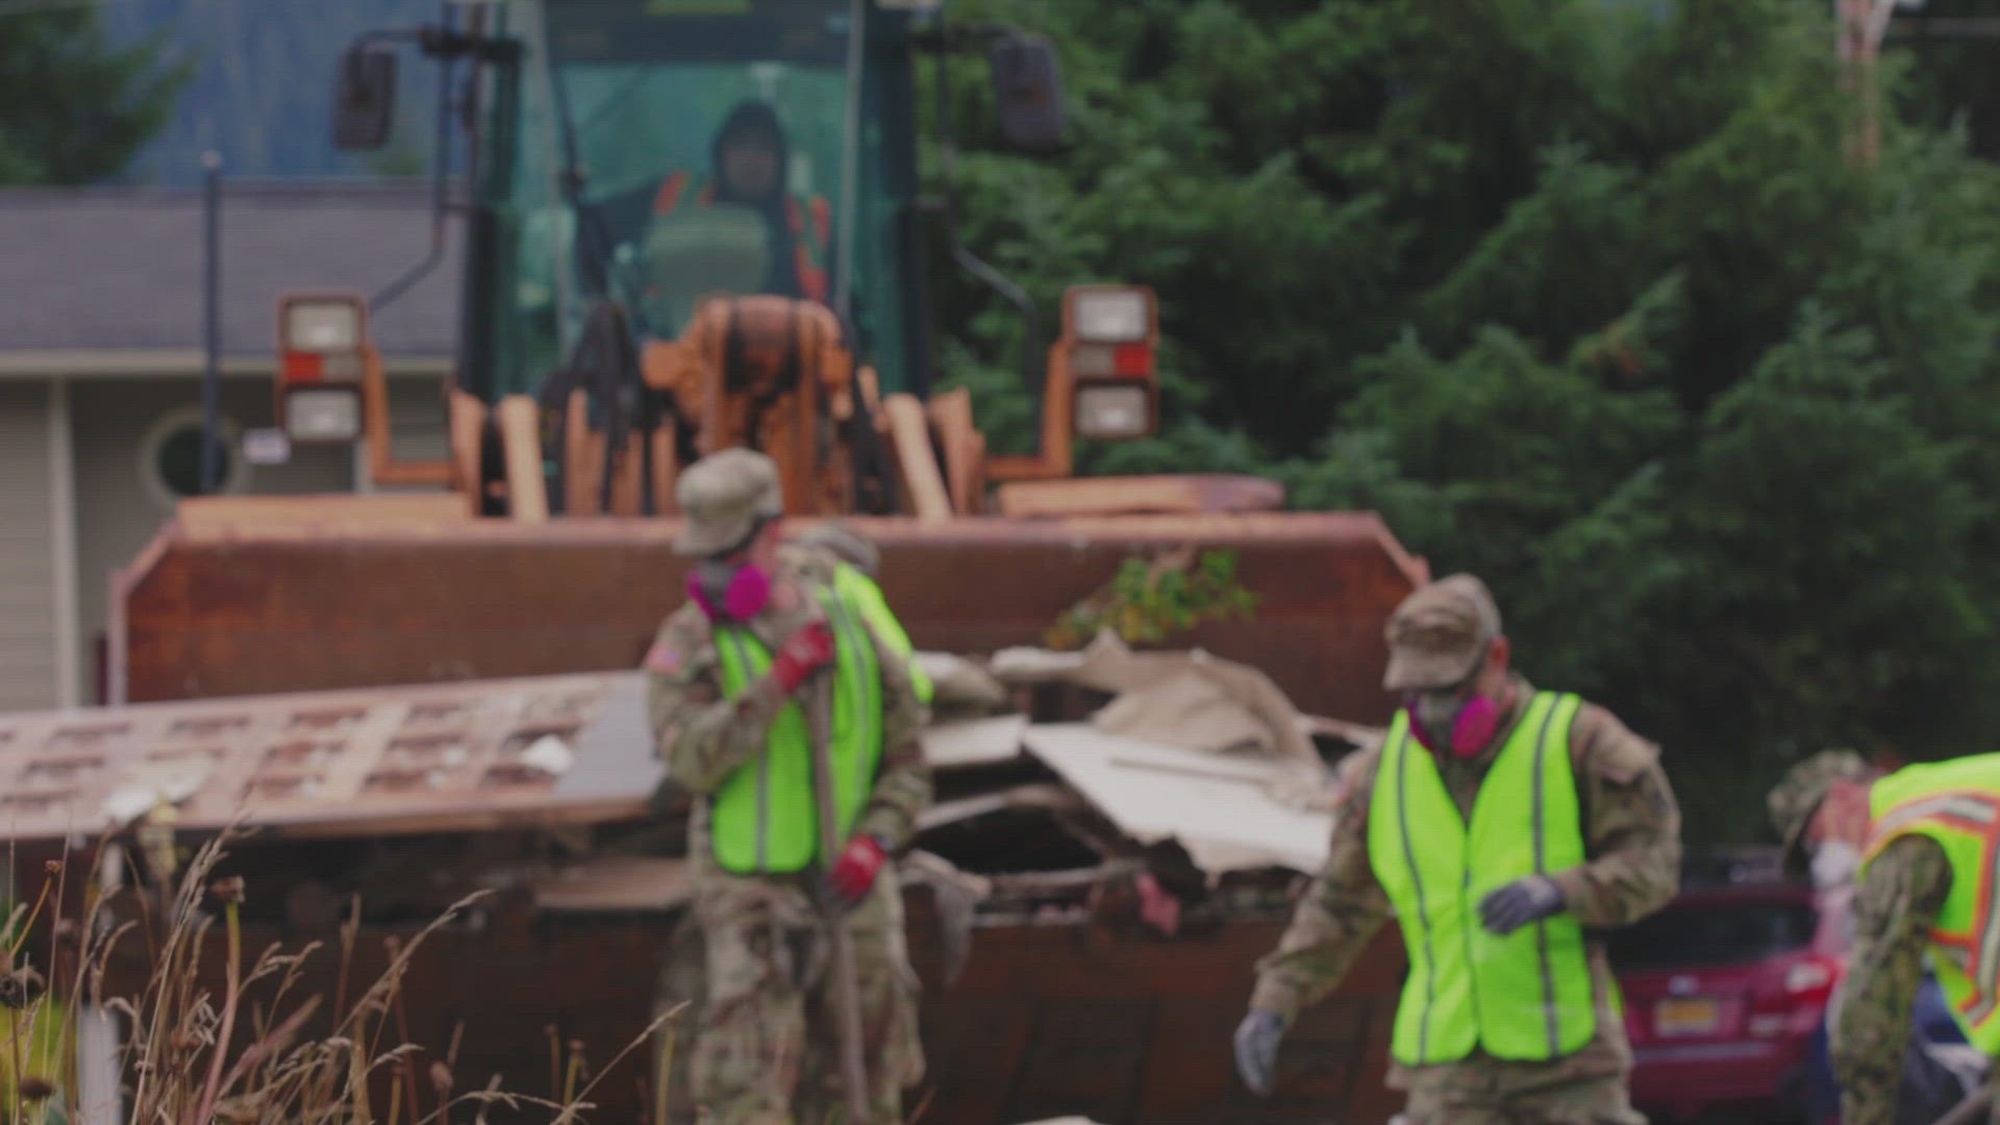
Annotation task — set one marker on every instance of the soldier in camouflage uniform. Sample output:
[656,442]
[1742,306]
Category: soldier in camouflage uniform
[767,1046]
[841,544]
[1474,727]
[1902,832]
[837,555]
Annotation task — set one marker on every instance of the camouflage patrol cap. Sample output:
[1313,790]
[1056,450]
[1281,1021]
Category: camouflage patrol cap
[723,497]
[1798,795]
[1440,634]
[845,543]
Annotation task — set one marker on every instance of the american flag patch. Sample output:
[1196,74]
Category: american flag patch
[664,659]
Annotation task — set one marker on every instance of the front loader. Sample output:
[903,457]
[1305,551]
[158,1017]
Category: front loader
[619,320]
[611,336]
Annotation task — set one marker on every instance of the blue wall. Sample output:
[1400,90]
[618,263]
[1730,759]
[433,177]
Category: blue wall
[262,90]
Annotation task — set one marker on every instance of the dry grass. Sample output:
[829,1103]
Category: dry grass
[190,1056]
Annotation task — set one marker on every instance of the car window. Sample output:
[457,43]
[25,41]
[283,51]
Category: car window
[1722,933]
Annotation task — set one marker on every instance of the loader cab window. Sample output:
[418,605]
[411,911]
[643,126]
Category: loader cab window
[710,140]
[706,179]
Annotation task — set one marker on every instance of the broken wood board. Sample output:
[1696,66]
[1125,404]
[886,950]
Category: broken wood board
[447,757]
[974,742]
[1187,494]
[1219,808]
[1056,798]
[219,516]
[606,884]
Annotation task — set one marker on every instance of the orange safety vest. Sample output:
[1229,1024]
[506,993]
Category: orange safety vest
[1956,804]
[808,253]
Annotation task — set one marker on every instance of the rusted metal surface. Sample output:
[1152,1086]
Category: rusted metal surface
[1045,1020]
[235,609]
[1053,1020]
[1051,1016]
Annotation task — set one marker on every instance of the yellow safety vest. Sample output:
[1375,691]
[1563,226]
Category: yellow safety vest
[1957,804]
[1526,996]
[765,818]
[862,591]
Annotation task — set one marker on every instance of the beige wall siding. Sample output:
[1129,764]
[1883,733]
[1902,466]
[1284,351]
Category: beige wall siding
[417,416]
[27,556]
[118,512]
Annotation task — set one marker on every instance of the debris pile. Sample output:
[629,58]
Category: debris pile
[1153,789]
[1126,797]
[1164,785]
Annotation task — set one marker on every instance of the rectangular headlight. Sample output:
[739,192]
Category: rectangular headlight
[1114,411]
[322,326]
[322,414]
[1110,316]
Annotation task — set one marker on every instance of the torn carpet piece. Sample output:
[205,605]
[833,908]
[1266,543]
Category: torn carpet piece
[1191,699]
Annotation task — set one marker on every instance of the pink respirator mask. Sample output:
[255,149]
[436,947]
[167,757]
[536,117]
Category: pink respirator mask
[729,593]
[1472,728]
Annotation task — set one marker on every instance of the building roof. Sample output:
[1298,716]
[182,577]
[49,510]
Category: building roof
[114,269]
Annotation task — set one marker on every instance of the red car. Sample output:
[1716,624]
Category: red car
[1723,990]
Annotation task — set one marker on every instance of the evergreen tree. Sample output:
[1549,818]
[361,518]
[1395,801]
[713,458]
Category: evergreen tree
[1583,295]
[73,109]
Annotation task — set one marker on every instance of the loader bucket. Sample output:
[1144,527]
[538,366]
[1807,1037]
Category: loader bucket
[249,598]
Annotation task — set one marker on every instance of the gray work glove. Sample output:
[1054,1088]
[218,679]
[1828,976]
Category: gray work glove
[1257,1049]
[1530,898]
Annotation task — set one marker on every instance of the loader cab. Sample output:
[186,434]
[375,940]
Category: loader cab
[656,151]
[626,161]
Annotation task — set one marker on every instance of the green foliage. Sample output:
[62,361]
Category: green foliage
[1583,296]
[1149,600]
[73,109]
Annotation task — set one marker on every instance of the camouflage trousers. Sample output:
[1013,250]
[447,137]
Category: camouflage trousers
[1513,1094]
[767,1046]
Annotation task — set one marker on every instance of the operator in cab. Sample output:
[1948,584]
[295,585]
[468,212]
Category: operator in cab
[748,159]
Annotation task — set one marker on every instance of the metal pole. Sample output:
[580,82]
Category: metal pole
[850,166]
[211,376]
[846,989]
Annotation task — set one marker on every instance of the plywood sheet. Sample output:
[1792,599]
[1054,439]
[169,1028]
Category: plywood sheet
[1218,807]
[975,742]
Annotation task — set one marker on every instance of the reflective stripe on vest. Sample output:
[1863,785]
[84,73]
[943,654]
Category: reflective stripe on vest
[765,818]
[1957,804]
[808,248]
[862,593]
[1527,996]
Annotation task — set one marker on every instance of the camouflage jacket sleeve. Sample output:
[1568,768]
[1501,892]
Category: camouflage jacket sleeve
[1894,906]
[1339,914]
[1632,825]
[702,736]
[903,782]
